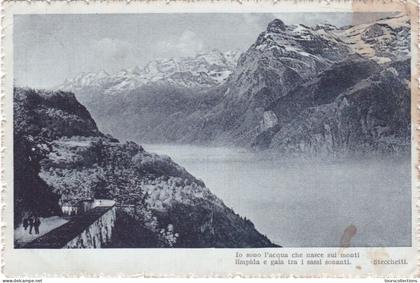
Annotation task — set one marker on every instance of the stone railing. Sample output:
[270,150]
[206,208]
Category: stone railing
[92,229]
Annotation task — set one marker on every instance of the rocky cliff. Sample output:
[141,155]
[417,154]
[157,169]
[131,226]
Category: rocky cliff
[159,204]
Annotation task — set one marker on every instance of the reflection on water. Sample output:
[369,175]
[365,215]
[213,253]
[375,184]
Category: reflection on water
[297,203]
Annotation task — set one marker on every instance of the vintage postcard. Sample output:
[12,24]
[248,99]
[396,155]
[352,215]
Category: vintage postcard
[211,138]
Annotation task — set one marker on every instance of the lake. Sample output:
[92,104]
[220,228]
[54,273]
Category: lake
[300,203]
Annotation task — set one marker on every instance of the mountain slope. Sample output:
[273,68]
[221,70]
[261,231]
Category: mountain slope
[371,115]
[159,203]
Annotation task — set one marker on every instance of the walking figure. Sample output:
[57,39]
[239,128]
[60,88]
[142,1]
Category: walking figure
[31,224]
[25,223]
[37,223]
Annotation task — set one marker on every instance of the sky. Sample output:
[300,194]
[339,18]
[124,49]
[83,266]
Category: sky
[51,48]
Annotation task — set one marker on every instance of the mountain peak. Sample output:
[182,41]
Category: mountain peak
[276,25]
[136,70]
[103,73]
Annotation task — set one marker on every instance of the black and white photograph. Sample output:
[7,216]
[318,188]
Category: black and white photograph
[212,130]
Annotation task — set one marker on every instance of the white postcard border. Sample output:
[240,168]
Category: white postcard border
[188,262]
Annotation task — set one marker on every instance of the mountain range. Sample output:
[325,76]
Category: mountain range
[202,71]
[296,89]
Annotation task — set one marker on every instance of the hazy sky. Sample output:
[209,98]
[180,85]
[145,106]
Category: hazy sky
[50,48]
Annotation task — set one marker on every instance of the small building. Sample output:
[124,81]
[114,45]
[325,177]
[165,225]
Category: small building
[86,205]
[76,207]
[103,202]
[69,208]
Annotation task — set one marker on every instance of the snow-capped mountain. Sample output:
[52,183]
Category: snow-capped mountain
[358,99]
[204,70]
[295,89]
